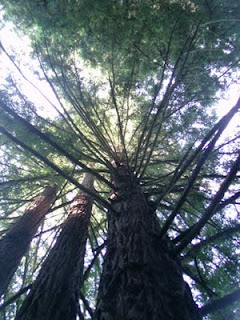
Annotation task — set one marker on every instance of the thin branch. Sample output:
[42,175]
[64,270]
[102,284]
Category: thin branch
[26,79]
[97,252]
[231,200]
[221,234]
[47,139]
[220,128]
[86,304]
[15,297]
[220,303]
[56,168]
[156,93]
[200,282]
[212,208]
[85,140]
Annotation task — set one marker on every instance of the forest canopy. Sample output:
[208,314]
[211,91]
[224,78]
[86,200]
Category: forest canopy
[119,199]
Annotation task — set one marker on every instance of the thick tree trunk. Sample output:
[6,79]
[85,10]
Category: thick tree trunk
[17,240]
[142,279]
[55,293]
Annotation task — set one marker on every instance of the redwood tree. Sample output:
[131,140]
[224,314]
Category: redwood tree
[55,292]
[133,88]
[16,241]
[142,275]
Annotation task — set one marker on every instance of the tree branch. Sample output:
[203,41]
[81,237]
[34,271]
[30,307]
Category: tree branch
[220,303]
[56,168]
[222,234]
[55,145]
[212,208]
[15,297]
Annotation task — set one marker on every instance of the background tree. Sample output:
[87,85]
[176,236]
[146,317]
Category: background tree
[134,81]
[16,241]
[56,290]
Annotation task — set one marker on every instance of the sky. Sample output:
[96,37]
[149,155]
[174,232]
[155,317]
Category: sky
[20,45]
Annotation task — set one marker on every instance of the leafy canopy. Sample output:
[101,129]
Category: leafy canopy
[135,81]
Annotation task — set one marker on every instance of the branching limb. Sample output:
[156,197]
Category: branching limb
[86,304]
[55,168]
[220,303]
[222,234]
[219,128]
[212,208]
[15,297]
[55,145]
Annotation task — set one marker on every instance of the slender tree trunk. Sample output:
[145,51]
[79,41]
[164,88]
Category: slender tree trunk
[55,293]
[142,279]
[15,243]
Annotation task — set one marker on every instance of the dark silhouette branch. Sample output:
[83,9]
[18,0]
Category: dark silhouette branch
[97,253]
[222,234]
[15,297]
[218,127]
[212,208]
[55,145]
[201,282]
[220,303]
[86,304]
[55,168]
[222,124]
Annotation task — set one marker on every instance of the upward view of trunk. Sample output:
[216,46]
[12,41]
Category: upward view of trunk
[142,279]
[17,240]
[55,292]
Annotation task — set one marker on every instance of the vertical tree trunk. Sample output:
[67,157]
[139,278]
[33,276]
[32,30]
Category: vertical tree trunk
[17,240]
[55,293]
[141,279]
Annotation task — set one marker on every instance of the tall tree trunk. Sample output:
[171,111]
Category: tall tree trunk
[55,293]
[142,279]
[17,240]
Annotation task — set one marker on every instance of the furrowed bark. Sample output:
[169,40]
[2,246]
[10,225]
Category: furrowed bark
[55,293]
[15,243]
[141,277]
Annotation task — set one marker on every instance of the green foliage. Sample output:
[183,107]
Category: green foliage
[134,81]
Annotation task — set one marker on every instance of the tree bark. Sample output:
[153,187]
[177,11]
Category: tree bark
[15,243]
[55,293]
[142,279]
